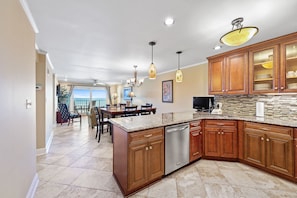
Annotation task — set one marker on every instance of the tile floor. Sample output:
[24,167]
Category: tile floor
[77,166]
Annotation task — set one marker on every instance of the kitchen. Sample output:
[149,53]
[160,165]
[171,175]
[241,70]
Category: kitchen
[19,84]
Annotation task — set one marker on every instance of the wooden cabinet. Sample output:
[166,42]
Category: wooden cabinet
[288,66]
[269,146]
[264,69]
[196,140]
[220,138]
[295,146]
[228,74]
[138,157]
[146,157]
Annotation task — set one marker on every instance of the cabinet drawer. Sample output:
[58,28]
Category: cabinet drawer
[269,128]
[195,124]
[147,135]
[220,123]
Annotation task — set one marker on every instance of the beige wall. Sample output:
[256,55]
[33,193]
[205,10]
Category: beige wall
[40,101]
[44,103]
[17,83]
[195,83]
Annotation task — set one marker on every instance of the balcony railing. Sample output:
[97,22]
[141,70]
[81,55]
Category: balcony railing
[82,105]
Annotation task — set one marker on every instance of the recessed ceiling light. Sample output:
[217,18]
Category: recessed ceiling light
[217,47]
[169,21]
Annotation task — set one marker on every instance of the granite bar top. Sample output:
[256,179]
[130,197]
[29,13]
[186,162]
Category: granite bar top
[137,123]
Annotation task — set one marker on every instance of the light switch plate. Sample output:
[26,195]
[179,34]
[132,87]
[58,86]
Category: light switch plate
[28,104]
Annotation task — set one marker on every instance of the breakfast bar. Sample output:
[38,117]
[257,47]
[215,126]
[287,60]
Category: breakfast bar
[139,144]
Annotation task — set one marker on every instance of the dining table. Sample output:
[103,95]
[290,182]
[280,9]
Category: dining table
[112,112]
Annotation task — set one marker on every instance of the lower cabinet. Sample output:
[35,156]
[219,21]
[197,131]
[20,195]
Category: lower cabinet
[146,157]
[295,146]
[196,140]
[269,146]
[220,138]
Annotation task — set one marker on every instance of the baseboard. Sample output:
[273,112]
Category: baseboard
[33,187]
[42,151]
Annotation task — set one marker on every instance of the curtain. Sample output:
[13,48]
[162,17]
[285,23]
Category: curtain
[108,94]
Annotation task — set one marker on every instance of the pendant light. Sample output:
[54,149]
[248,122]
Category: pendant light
[179,73]
[152,70]
[240,35]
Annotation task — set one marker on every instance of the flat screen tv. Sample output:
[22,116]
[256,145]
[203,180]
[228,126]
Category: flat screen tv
[203,103]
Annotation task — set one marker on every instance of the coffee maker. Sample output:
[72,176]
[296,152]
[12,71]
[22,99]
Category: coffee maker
[218,108]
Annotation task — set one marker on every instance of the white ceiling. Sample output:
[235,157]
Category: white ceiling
[103,39]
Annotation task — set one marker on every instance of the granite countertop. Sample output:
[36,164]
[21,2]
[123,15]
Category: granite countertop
[137,123]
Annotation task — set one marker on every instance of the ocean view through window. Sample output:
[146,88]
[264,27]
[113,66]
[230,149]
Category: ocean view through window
[84,98]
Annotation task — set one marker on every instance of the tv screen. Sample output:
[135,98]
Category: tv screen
[203,103]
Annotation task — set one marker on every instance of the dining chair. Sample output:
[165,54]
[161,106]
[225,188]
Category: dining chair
[101,122]
[144,109]
[130,111]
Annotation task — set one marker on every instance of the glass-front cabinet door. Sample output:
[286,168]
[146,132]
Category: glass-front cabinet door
[263,70]
[288,75]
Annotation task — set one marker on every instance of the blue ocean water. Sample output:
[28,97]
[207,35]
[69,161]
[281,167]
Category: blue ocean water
[84,102]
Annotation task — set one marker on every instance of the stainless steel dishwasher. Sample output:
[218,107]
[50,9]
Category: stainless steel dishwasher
[176,147]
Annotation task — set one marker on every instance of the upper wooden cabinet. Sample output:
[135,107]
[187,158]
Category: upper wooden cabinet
[264,70]
[266,67]
[288,67]
[228,74]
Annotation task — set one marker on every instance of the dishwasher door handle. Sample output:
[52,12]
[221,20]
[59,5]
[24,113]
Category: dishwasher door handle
[176,129]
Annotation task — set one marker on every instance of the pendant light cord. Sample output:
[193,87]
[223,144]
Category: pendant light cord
[152,54]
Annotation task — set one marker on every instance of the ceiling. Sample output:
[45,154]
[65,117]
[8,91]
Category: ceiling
[101,40]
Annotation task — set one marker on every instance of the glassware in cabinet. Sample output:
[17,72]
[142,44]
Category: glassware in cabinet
[263,70]
[291,66]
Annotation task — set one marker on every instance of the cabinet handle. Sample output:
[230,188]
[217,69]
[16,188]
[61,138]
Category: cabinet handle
[222,133]
[146,148]
[267,140]
[223,90]
[265,129]
[151,147]
[196,153]
[195,134]
[282,88]
[219,133]
[220,124]
[275,88]
[149,135]
[262,138]
[200,132]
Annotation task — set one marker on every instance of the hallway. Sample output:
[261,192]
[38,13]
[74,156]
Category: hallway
[77,166]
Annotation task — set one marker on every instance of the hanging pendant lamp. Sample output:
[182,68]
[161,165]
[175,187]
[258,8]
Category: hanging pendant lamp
[152,70]
[240,35]
[179,73]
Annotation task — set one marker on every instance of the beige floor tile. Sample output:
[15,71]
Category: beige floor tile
[49,190]
[67,176]
[49,172]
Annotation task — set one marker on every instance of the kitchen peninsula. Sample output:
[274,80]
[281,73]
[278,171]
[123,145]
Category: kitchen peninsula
[138,149]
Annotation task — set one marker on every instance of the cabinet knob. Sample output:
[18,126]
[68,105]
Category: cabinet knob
[151,147]
[219,133]
[262,138]
[267,140]
[282,88]
[200,132]
[222,133]
[223,90]
[275,88]
[146,148]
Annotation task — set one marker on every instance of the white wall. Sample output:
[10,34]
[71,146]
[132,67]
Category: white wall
[17,83]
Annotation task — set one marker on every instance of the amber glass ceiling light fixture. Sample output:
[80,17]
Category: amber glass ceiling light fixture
[152,70]
[240,34]
[179,73]
[135,81]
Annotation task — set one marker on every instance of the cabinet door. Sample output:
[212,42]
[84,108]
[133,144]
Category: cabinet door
[155,159]
[211,142]
[288,67]
[228,143]
[264,70]
[279,153]
[195,145]
[216,76]
[254,147]
[137,167]
[237,74]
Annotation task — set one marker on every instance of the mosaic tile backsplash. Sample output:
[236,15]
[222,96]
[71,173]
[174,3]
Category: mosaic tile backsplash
[282,107]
